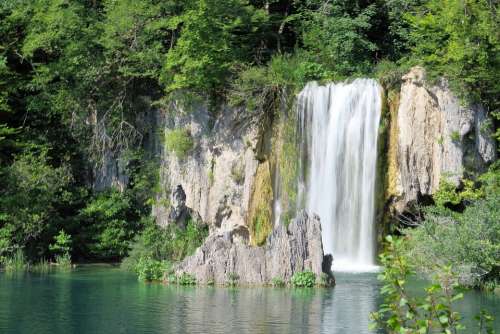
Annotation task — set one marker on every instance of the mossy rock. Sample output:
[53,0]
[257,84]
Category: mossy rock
[260,213]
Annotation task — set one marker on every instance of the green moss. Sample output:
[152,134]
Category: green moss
[179,142]
[260,213]
[455,136]
[287,157]
[387,166]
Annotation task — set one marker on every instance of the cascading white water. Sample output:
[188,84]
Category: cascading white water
[338,126]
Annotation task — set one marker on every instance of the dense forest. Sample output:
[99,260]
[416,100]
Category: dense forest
[78,76]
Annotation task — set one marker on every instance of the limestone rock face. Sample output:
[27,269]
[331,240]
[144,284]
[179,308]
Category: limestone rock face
[288,250]
[437,137]
[110,173]
[217,174]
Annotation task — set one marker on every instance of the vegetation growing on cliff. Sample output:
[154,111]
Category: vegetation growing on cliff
[462,232]
[179,142]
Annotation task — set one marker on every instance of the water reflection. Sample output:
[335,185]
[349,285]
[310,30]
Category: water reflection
[92,300]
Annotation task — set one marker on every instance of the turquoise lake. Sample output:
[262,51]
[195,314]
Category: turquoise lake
[104,299]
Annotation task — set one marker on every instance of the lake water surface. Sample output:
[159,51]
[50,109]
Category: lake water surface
[102,299]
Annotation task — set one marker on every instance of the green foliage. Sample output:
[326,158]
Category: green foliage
[186,279]
[462,230]
[148,269]
[232,279]
[288,160]
[304,279]
[261,226]
[170,244]
[16,262]
[263,90]
[62,248]
[62,245]
[447,193]
[337,36]
[210,43]
[389,73]
[277,282]
[459,39]
[136,35]
[31,190]
[63,261]
[109,225]
[402,312]
[179,142]
[90,71]
[43,266]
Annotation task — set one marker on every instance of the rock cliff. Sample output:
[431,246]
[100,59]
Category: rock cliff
[437,138]
[217,175]
[226,256]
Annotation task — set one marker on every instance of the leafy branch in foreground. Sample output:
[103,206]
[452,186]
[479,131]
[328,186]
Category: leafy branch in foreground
[403,313]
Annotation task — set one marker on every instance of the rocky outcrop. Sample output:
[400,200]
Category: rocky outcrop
[437,137]
[179,212]
[226,256]
[217,175]
[110,173]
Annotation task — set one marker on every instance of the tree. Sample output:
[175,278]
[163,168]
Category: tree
[214,37]
[459,40]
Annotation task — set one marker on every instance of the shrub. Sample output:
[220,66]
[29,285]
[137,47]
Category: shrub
[170,243]
[62,245]
[278,282]
[179,142]
[31,190]
[468,241]
[109,225]
[172,278]
[17,262]
[186,279]
[63,261]
[304,279]
[232,279]
[389,73]
[401,312]
[148,269]
[43,266]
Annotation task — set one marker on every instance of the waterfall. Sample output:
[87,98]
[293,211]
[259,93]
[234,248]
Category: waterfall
[338,126]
